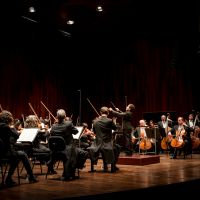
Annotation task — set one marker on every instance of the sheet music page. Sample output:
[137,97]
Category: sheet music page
[80,130]
[28,135]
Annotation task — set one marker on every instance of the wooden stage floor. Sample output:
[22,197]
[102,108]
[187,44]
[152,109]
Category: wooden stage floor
[169,177]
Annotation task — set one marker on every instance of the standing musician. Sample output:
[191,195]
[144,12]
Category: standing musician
[192,122]
[181,140]
[104,144]
[127,125]
[164,126]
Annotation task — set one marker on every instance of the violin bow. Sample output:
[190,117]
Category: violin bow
[1,108]
[23,120]
[48,111]
[34,112]
[93,107]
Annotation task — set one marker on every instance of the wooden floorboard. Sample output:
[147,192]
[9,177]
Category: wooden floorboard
[179,176]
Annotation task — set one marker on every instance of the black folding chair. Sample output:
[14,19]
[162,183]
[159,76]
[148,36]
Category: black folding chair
[57,145]
[4,164]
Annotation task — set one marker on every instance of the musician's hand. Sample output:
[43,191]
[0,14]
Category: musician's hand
[169,133]
[117,109]
[114,119]
[110,109]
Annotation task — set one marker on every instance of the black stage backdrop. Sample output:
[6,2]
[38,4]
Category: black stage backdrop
[139,54]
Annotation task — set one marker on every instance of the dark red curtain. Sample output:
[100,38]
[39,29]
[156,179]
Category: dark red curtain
[155,70]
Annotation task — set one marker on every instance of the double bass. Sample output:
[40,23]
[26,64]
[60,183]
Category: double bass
[167,139]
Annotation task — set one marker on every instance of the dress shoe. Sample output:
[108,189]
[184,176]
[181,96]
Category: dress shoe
[73,176]
[51,171]
[105,169]
[33,180]
[65,178]
[116,168]
[10,183]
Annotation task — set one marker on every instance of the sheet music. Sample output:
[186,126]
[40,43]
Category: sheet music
[78,135]
[28,135]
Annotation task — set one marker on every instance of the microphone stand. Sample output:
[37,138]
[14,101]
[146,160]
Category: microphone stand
[80,105]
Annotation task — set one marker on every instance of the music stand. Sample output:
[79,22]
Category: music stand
[153,133]
[28,135]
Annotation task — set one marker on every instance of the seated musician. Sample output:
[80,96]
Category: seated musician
[37,145]
[9,136]
[45,132]
[181,140]
[139,132]
[72,157]
[18,125]
[152,124]
[87,137]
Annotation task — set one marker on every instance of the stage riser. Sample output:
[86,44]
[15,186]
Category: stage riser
[139,160]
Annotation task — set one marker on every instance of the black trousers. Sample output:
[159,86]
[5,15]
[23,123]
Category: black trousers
[14,161]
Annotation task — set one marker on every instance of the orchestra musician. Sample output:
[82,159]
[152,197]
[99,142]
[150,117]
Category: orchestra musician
[73,157]
[104,144]
[87,137]
[139,133]
[152,124]
[9,136]
[42,135]
[181,139]
[192,122]
[18,125]
[164,125]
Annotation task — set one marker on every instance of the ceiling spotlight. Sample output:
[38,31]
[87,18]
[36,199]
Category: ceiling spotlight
[31,9]
[99,8]
[70,22]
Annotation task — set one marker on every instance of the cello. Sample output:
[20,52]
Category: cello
[178,141]
[145,142]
